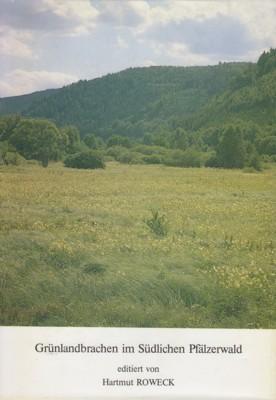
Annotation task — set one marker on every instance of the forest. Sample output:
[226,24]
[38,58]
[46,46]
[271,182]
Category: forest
[181,116]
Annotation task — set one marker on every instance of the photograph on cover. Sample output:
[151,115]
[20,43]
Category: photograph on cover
[137,163]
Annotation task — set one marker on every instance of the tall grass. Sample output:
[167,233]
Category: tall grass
[75,249]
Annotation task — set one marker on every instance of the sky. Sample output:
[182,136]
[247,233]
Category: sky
[51,43]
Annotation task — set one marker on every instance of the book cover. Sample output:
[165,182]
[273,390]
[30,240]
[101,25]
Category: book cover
[137,199]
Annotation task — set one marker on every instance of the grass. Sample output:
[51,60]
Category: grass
[75,249]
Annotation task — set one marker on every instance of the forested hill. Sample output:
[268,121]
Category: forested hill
[17,104]
[131,102]
[251,98]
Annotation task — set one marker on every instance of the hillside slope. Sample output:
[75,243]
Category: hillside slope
[255,101]
[18,104]
[130,101]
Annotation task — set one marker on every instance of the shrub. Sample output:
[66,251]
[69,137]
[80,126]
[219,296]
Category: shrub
[124,155]
[255,162]
[153,159]
[149,150]
[267,145]
[249,170]
[13,158]
[212,162]
[85,160]
[187,158]
[157,223]
[9,156]
[116,151]
[94,268]
[117,140]
[130,157]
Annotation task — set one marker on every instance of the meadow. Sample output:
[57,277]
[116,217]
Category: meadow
[137,245]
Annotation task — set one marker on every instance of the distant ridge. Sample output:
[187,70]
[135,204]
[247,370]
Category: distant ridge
[154,99]
[17,104]
[128,98]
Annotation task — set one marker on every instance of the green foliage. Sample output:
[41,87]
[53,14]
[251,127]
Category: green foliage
[268,159]
[7,125]
[267,145]
[94,268]
[117,140]
[130,157]
[187,110]
[266,62]
[254,102]
[212,161]
[13,158]
[38,139]
[85,160]
[253,159]
[179,139]
[187,158]
[153,159]
[150,150]
[9,155]
[72,139]
[124,155]
[93,142]
[17,104]
[130,103]
[231,152]
[249,170]
[116,152]
[157,223]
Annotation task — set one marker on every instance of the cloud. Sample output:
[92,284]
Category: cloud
[217,36]
[259,18]
[15,44]
[122,43]
[179,53]
[140,16]
[20,81]
[51,16]
[82,14]
[149,63]
[122,13]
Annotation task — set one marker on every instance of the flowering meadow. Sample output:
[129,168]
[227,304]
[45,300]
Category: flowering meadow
[137,245]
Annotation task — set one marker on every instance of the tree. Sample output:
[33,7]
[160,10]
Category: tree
[90,141]
[148,139]
[85,160]
[231,152]
[179,139]
[117,140]
[38,139]
[266,62]
[267,145]
[73,139]
[7,125]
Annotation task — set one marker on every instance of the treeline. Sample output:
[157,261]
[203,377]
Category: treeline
[250,97]
[35,139]
[219,116]
[236,145]
[130,102]
[157,100]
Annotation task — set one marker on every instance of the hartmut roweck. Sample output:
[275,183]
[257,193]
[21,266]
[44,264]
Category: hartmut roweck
[139,382]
